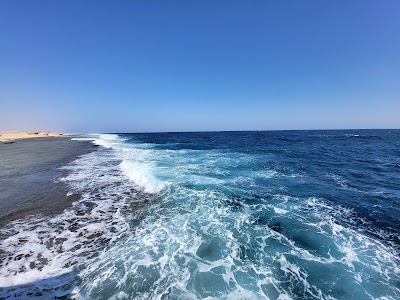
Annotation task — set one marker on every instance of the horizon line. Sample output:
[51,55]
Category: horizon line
[250,130]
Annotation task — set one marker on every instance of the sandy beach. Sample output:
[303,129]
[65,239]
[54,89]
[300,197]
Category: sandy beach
[28,171]
[15,135]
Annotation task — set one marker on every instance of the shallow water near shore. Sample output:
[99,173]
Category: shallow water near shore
[218,215]
[28,168]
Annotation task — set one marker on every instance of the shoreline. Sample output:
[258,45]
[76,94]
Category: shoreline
[29,169]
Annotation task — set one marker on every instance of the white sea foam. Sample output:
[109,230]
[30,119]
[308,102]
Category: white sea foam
[141,175]
[107,140]
[170,241]
[41,251]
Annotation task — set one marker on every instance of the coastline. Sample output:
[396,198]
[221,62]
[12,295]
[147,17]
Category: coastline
[29,168]
[10,136]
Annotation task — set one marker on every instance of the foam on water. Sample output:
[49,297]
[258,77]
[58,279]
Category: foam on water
[39,251]
[195,224]
[136,164]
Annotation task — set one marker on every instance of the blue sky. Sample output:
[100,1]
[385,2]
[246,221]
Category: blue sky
[128,66]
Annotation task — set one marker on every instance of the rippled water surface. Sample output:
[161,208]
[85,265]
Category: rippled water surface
[223,215]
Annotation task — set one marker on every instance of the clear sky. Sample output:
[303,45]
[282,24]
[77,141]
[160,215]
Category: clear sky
[129,66]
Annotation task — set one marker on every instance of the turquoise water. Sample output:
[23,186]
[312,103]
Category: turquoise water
[226,215]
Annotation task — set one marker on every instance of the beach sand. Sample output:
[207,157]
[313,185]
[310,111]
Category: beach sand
[13,135]
[28,170]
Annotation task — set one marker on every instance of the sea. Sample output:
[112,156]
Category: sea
[218,215]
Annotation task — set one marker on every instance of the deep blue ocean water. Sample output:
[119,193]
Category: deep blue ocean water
[228,215]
